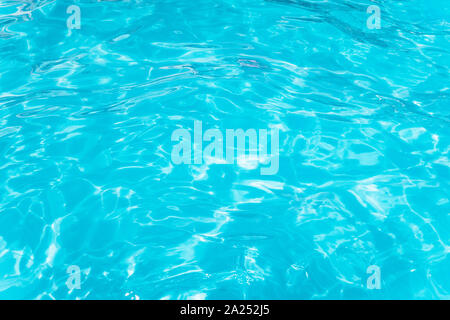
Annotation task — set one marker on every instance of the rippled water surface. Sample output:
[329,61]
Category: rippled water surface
[86,177]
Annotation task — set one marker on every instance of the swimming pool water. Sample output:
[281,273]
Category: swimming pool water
[87,178]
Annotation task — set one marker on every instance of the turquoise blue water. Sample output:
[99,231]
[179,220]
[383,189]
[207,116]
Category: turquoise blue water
[87,180]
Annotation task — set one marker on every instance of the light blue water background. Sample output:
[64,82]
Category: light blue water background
[86,177]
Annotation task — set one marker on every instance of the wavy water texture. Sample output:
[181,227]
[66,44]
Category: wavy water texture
[85,142]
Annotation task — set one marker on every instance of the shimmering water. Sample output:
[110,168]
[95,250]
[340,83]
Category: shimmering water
[86,177]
